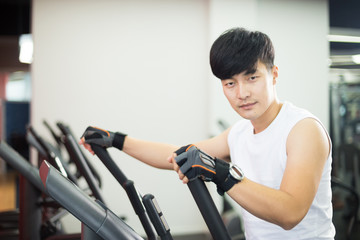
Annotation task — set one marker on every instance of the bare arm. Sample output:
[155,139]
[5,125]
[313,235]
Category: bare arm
[307,149]
[152,153]
[160,155]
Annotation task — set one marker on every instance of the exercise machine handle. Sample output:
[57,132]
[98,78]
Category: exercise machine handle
[56,137]
[128,186]
[208,210]
[50,155]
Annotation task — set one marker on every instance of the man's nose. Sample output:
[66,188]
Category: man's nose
[243,91]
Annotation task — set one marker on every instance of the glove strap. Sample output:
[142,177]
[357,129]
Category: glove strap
[118,141]
[222,173]
[227,185]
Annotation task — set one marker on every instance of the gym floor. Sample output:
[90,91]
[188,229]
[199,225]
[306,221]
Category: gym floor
[7,191]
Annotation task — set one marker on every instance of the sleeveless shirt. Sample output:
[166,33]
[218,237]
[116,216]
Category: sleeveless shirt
[262,157]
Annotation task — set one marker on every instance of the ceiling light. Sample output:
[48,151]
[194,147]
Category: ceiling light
[356,58]
[344,38]
[26,48]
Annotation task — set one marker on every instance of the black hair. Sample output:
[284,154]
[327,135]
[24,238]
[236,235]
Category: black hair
[238,50]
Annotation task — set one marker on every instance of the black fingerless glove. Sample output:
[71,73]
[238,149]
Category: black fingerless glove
[103,138]
[183,149]
[195,163]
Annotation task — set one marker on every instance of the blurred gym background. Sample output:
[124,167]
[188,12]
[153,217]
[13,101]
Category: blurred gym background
[132,65]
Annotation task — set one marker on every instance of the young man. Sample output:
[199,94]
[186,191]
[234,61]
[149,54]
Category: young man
[280,154]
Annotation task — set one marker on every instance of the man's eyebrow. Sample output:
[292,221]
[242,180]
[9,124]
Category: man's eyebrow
[251,71]
[227,79]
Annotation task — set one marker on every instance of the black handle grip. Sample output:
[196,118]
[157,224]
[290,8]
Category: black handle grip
[128,186]
[41,143]
[105,157]
[208,210]
[55,136]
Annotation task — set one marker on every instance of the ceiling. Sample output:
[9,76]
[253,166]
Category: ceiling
[343,15]
[14,21]
[14,17]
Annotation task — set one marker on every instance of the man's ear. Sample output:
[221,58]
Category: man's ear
[275,73]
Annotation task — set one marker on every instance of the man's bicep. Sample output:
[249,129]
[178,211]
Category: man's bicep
[307,150]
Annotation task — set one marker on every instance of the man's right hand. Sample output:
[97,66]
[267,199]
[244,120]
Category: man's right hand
[176,167]
[86,145]
[98,136]
[103,138]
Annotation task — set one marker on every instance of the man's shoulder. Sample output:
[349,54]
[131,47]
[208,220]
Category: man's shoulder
[295,110]
[293,114]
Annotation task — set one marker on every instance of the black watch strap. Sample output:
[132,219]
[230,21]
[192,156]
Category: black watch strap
[231,180]
[229,183]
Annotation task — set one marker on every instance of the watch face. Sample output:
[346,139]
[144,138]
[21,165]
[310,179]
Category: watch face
[236,172]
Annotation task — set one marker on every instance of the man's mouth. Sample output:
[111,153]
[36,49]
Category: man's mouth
[247,106]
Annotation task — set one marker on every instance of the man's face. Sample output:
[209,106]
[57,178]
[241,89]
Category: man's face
[250,95]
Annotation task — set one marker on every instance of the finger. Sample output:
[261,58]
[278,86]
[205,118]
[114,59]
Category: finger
[82,141]
[90,150]
[175,165]
[181,159]
[88,147]
[181,175]
[171,158]
[185,180]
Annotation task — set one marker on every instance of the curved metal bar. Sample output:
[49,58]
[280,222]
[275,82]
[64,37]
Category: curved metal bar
[93,214]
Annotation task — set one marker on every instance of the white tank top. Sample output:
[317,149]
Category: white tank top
[263,157]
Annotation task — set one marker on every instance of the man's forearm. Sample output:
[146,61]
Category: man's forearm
[269,204]
[152,153]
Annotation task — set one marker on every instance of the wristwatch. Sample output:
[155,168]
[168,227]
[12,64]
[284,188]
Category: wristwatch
[235,173]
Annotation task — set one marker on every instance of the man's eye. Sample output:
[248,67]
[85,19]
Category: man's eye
[229,84]
[252,78]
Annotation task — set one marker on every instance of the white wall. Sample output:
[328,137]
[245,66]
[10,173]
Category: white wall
[131,66]
[299,32]
[141,67]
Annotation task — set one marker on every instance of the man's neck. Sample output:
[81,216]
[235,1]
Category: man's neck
[268,117]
